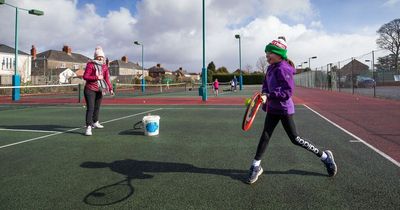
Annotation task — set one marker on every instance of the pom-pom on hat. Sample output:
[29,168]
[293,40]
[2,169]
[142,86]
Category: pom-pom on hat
[278,47]
[98,52]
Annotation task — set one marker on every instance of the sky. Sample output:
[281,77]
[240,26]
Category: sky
[171,30]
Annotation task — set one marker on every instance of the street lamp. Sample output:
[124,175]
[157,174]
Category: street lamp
[309,66]
[143,80]
[237,36]
[16,79]
[309,61]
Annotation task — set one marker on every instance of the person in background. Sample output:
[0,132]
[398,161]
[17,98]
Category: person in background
[277,91]
[97,78]
[216,87]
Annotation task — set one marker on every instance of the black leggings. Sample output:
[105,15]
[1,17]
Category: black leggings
[93,102]
[288,124]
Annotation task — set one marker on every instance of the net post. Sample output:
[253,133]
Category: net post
[79,93]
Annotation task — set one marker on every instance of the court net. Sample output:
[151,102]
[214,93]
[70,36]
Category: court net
[66,93]
[129,90]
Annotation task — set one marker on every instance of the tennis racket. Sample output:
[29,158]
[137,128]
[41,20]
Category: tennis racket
[251,111]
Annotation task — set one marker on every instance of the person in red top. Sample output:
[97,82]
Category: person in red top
[97,78]
[216,87]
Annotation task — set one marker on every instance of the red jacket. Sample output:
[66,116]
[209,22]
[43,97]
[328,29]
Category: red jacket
[91,77]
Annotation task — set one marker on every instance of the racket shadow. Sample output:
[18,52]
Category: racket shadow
[136,169]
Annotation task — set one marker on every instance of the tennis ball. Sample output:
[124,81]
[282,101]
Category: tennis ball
[247,101]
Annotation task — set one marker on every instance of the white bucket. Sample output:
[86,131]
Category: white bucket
[151,124]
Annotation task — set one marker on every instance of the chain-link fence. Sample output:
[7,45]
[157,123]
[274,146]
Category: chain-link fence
[373,74]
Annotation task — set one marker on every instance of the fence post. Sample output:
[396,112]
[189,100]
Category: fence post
[79,93]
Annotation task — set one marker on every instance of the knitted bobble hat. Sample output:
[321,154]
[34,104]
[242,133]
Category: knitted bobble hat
[278,47]
[98,52]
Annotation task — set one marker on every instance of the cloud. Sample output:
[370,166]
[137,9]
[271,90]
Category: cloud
[390,3]
[171,31]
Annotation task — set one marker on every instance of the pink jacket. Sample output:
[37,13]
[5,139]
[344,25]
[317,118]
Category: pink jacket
[91,77]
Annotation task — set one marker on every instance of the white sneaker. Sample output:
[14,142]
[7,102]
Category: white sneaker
[88,131]
[97,125]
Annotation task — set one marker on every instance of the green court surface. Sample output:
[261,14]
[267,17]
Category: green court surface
[198,161]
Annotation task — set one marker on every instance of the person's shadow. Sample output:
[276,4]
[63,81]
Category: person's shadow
[137,169]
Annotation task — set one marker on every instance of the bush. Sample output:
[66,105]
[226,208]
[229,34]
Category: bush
[248,79]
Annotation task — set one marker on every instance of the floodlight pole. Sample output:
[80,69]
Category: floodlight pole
[203,88]
[16,79]
[143,80]
[309,66]
[237,36]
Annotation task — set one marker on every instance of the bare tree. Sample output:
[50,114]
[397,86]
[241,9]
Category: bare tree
[262,64]
[248,68]
[389,39]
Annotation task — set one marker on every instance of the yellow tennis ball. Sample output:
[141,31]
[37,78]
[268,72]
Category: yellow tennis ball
[247,101]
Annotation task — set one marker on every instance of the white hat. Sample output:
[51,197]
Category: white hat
[98,52]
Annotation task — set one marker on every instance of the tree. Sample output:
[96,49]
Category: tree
[262,64]
[210,71]
[386,63]
[389,39]
[222,70]
[211,66]
[248,68]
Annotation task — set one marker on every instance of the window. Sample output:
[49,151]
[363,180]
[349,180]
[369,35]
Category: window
[76,66]
[63,65]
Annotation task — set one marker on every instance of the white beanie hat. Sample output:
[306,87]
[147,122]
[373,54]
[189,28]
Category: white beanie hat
[98,52]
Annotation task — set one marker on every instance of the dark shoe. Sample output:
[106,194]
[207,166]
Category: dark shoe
[330,164]
[255,171]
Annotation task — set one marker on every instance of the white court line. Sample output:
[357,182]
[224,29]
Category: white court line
[24,130]
[74,129]
[357,138]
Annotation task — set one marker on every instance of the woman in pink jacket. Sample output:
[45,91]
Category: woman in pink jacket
[98,83]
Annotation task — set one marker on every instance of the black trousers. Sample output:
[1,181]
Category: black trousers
[93,102]
[271,121]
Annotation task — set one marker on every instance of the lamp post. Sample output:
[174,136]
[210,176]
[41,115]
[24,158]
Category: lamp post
[143,80]
[203,87]
[309,61]
[309,66]
[16,79]
[237,36]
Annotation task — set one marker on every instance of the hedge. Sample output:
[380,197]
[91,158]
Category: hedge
[248,79]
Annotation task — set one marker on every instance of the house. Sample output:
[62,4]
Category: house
[156,71]
[194,76]
[66,75]
[7,59]
[124,71]
[45,64]
[355,67]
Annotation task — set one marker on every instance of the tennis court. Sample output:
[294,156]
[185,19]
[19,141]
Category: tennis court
[198,161]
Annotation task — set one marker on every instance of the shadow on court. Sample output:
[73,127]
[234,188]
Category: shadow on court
[55,128]
[137,130]
[136,169]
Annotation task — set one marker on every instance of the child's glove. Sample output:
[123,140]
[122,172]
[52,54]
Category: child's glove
[264,98]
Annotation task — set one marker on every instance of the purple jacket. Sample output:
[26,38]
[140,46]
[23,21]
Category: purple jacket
[279,86]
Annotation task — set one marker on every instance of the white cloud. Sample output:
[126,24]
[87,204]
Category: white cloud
[389,3]
[171,31]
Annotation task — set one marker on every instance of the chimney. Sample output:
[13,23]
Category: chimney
[124,59]
[33,52]
[158,65]
[67,49]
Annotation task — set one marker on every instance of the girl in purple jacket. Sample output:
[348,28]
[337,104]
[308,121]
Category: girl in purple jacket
[98,83]
[277,91]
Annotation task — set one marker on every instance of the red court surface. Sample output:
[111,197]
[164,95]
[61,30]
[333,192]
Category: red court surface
[374,120]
